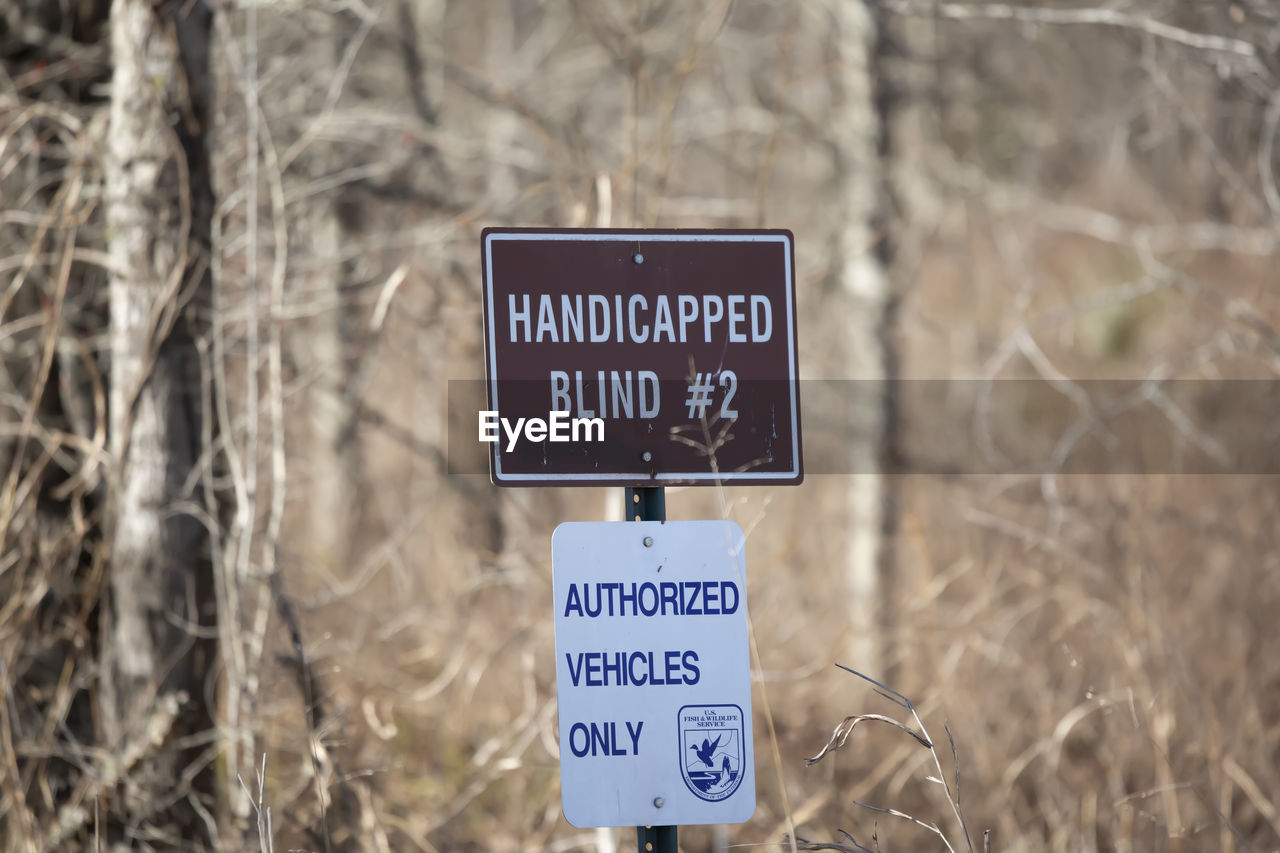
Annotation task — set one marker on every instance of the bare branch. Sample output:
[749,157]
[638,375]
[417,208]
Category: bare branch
[846,726]
[1106,17]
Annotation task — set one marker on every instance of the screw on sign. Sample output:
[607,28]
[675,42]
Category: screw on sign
[679,346]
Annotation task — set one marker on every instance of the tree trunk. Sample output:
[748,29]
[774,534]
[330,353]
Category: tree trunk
[863,286]
[156,659]
[334,455]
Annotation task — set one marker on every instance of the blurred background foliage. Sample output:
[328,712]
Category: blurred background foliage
[979,191]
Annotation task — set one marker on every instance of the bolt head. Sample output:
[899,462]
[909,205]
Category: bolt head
[646,456]
[648,541]
[658,802]
[638,258]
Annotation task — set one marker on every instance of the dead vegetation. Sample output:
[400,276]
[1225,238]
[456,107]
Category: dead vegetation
[1056,194]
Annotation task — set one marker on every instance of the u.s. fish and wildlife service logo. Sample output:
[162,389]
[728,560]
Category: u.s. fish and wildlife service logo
[711,750]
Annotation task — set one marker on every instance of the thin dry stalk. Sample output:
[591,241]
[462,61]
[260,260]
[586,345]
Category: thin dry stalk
[266,842]
[854,846]
[840,735]
[932,827]
[846,726]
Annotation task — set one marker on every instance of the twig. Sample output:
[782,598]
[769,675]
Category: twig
[932,827]
[311,704]
[952,796]
[1106,17]
[955,769]
[266,843]
[852,847]
[846,726]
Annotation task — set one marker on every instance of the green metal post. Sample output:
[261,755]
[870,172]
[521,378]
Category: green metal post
[647,504]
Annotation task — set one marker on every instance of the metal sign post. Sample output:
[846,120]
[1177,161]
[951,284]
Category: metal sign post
[646,504]
[643,358]
[651,505]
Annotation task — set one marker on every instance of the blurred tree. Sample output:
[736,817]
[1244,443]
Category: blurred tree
[157,702]
[1062,191]
[855,128]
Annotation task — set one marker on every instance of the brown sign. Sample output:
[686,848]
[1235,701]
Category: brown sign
[640,358]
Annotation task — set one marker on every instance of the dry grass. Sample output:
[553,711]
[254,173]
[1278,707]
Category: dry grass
[951,788]
[1099,649]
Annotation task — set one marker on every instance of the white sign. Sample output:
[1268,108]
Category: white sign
[653,673]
